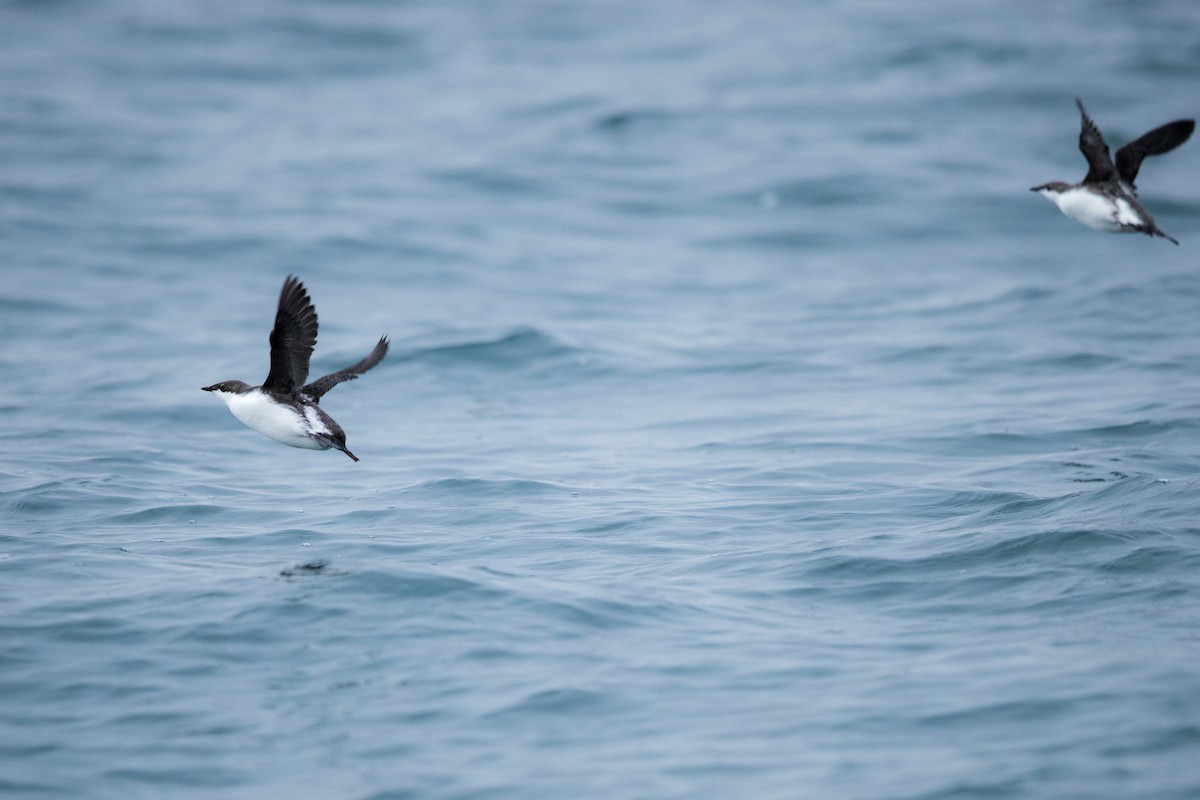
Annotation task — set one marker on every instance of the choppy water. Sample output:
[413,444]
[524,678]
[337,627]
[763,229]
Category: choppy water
[750,430]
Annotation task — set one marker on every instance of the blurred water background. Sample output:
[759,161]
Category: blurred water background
[750,429]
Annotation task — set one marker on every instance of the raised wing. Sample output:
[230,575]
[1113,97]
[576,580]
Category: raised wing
[1091,144]
[317,389]
[1161,140]
[292,338]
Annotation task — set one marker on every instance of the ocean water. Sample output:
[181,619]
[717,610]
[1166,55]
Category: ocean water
[750,430]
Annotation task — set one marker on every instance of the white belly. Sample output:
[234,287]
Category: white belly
[276,421]
[1096,211]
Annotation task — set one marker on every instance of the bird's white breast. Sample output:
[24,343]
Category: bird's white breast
[1095,210]
[275,420]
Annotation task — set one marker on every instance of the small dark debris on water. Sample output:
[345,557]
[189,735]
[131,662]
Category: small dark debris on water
[311,568]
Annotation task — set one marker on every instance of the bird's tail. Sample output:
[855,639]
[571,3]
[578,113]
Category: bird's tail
[337,443]
[1153,230]
[1161,235]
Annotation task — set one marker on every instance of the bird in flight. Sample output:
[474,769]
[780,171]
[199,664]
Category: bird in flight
[1107,198]
[284,407]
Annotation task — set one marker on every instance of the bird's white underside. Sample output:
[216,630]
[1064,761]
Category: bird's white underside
[1094,210]
[276,421]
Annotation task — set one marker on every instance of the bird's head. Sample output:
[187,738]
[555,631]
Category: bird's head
[1051,189]
[227,387]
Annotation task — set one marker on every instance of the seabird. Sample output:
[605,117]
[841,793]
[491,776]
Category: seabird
[1107,198]
[284,408]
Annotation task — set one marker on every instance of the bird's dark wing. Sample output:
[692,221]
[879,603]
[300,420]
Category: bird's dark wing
[317,389]
[1091,144]
[1155,143]
[292,338]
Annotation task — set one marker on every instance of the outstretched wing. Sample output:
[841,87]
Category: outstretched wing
[317,389]
[1091,144]
[1158,141]
[292,338]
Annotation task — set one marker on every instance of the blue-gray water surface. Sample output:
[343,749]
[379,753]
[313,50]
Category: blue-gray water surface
[750,429]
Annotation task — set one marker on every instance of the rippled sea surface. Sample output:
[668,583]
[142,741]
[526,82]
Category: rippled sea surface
[750,430]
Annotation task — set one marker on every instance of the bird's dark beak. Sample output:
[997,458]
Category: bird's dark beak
[1037,188]
[212,388]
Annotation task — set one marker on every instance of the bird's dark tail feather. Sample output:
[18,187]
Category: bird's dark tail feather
[1170,239]
[1153,231]
[335,444]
